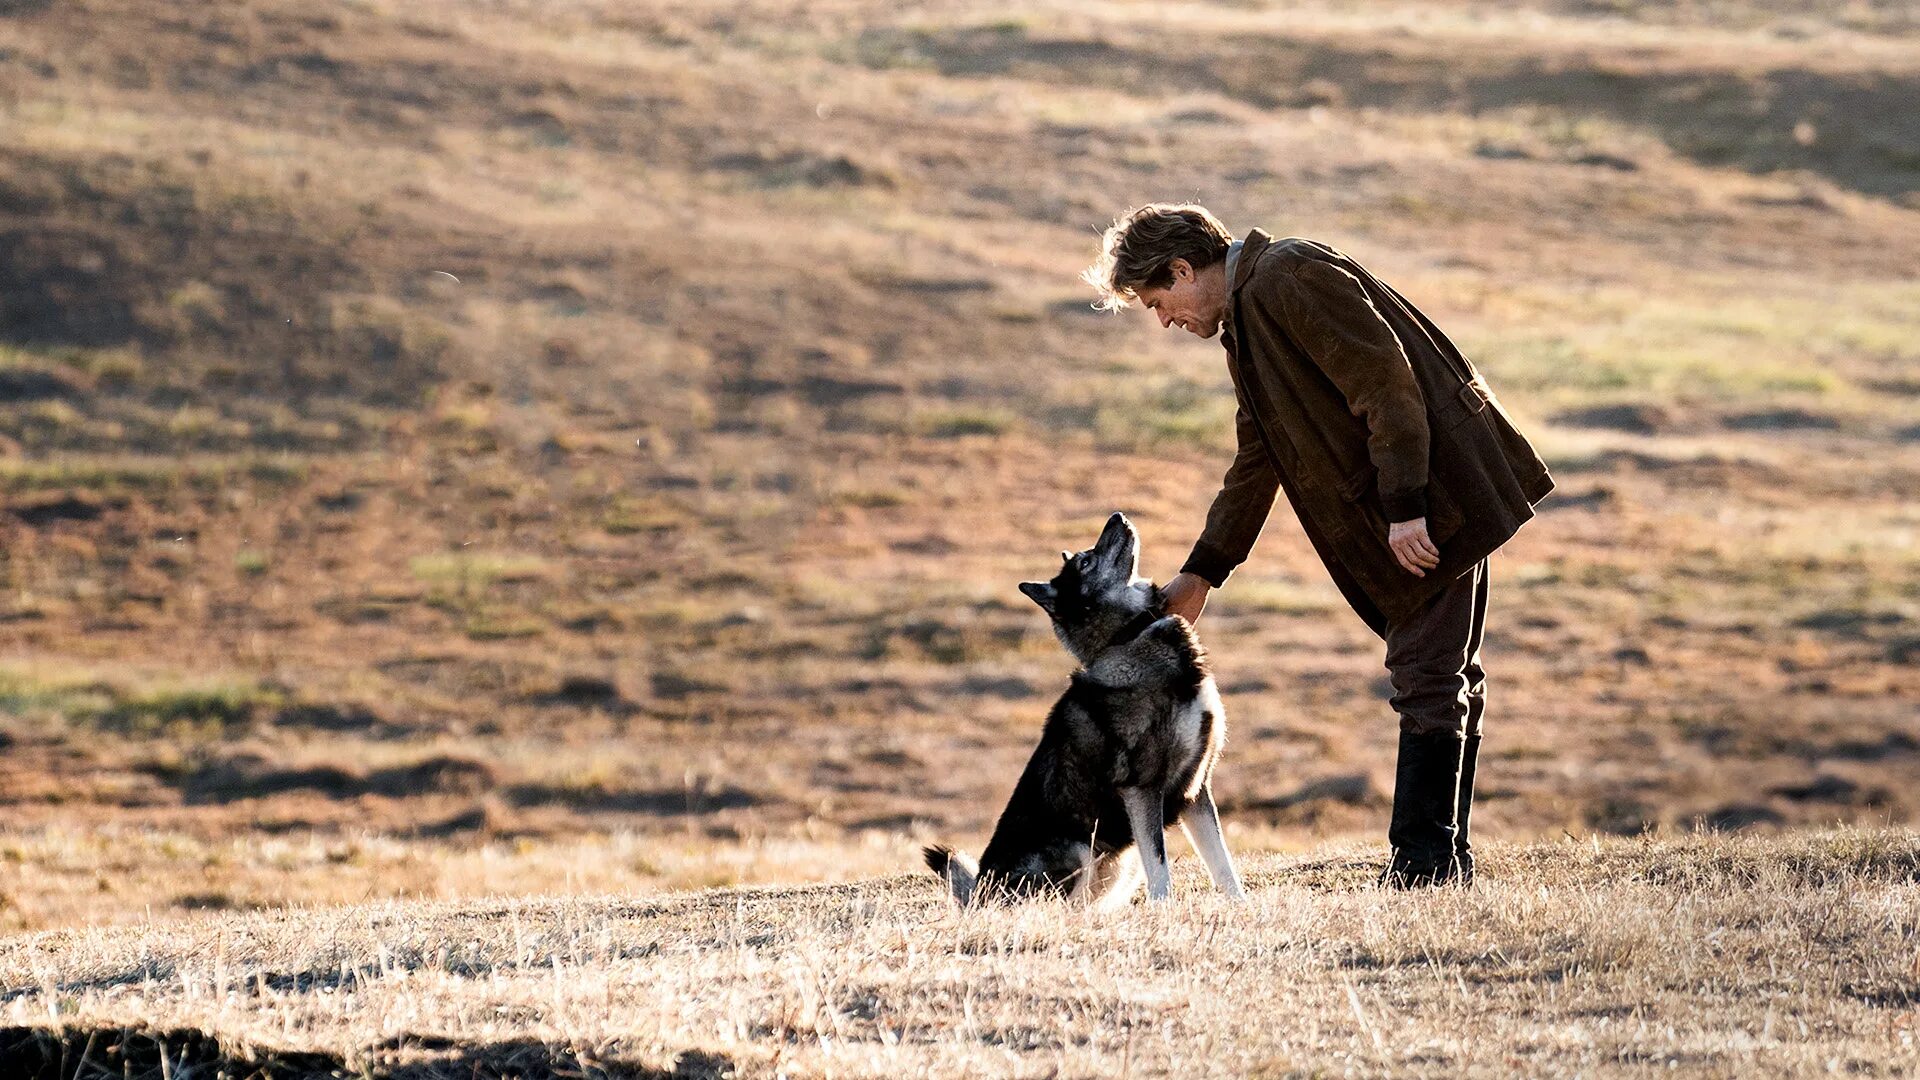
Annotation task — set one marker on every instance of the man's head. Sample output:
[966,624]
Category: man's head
[1171,258]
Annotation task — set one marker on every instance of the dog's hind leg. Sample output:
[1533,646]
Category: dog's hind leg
[1146,811]
[1202,825]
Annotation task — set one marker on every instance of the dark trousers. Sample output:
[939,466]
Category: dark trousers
[1433,660]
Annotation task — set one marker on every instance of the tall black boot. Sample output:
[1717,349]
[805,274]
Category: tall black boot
[1462,846]
[1426,792]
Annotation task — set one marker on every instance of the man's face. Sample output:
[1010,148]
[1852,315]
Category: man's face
[1194,302]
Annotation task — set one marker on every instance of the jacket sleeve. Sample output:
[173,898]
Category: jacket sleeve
[1326,310]
[1239,510]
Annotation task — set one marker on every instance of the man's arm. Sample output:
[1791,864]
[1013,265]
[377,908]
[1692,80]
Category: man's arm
[1233,522]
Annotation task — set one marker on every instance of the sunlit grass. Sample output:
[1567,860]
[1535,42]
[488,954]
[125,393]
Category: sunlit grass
[149,705]
[470,570]
[1712,350]
[1550,965]
[108,473]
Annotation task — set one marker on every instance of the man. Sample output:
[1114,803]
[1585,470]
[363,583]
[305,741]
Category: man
[1401,466]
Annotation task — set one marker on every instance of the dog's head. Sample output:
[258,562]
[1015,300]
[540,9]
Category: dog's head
[1097,592]
[970,886]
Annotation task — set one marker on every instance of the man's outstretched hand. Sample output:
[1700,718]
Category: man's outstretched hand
[1412,546]
[1187,596]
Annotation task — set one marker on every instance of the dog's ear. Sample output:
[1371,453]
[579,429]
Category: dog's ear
[1040,592]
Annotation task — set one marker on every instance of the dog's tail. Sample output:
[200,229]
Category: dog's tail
[960,872]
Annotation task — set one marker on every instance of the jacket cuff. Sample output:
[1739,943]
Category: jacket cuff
[1407,507]
[1210,563]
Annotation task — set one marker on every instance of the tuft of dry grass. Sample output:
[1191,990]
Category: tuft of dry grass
[1707,956]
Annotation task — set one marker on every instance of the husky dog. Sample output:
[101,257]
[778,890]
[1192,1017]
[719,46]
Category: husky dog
[1127,751]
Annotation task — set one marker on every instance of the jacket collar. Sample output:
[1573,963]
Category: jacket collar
[1250,249]
[1256,242]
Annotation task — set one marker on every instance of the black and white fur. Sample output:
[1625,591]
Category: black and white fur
[1127,751]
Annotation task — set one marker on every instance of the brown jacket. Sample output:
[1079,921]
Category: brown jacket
[1364,413]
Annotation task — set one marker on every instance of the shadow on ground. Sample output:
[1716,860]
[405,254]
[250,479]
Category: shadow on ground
[41,1054]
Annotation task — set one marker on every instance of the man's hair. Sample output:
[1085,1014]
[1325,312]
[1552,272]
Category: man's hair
[1136,251]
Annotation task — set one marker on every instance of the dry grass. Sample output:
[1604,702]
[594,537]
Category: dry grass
[1710,957]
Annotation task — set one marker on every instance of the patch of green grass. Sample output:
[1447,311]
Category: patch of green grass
[468,422]
[866,416]
[278,471]
[197,307]
[70,695]
[207,708]
[53,415]
[872,498]
[202,707]
[627,516]
[476,570]
[1574,368]
[955,423]
[120,367]
[191,422]
[1008,25]
[117,365]
[146,475]
[1718,350]
[487,626]
[91,474]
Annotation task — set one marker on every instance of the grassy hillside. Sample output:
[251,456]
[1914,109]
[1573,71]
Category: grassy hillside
[1712,957]
[450,449]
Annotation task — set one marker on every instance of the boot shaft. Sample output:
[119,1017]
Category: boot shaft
[1424,829]
[1462,843]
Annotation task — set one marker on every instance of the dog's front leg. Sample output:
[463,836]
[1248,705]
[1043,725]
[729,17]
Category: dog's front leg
[1147,814]
[1202,823]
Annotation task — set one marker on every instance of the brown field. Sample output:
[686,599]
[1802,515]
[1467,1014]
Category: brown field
[455,450]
